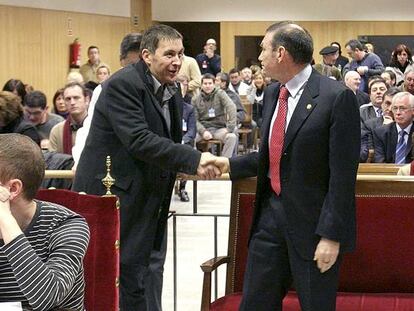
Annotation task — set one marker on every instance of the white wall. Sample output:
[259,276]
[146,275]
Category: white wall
[105,7]
[272,10]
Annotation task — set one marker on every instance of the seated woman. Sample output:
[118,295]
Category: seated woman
[17,87]
[12,119]
[42,244]
[59,106]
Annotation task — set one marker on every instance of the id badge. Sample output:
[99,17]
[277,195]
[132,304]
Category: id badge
[184,126]
[211,113]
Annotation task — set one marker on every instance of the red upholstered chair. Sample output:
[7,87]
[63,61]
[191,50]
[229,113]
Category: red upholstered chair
[102,258]
[378,276]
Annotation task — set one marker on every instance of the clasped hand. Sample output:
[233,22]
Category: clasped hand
[211,166]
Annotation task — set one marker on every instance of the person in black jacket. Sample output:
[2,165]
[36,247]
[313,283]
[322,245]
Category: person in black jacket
[11,117]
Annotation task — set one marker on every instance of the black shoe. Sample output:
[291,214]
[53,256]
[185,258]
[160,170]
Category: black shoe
[183,196]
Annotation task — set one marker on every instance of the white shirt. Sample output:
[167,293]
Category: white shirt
[295,86]
[83,132]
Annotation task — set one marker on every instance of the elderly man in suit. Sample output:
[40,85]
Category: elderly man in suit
[306,170]
[137,121]
[392,142]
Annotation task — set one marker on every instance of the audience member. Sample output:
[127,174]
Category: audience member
[17,87]
[189,128]
[43,244]
[236,83]
[341,61]
[102,73]
[63,135]
[36,112]
[393,142]
[408,85]
[369,47]
[137,120]
[222,81]
[246,75]
[209,61]
[88,70]
[215,115]
[352,80]
[74,76]
[368,127]
[389,77]
[366,64]
[401,62]
[377,88]
[59,106]
[129,54]
[12,119]
[327,67]
[255,96]
[190,69]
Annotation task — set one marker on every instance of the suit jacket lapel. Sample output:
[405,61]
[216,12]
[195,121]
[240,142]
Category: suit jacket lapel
[143,71]
[305,106]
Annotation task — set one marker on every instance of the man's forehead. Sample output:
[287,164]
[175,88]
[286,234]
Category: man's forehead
[170,44]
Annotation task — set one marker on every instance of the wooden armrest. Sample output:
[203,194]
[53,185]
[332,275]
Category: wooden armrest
[208,267]
[213,264]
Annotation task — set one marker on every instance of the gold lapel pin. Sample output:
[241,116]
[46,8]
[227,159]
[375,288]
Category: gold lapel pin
[309,107]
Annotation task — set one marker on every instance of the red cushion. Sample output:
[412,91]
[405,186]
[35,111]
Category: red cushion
[101,262]
[344,302]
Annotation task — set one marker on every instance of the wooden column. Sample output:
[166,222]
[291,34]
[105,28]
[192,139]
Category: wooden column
[141,15]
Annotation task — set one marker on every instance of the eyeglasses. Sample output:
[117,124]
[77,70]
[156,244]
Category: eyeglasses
[33,113]
[401,108]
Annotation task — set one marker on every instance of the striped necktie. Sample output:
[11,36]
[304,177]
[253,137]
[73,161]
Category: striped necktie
[401,148]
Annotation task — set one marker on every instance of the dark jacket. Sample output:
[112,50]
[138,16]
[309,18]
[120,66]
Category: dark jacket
[129,126]
[385,143]
[20,126]
[318,166]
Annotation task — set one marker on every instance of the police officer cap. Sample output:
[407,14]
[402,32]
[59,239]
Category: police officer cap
[328,50]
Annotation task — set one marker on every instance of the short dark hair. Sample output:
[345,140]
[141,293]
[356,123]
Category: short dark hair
[355,44]
[130,43]
[35,99]
[85,91]
[21,158]
[233,70]
[153,35]
[10,107]
[224,77]
[16,85]
[92,47]
[296,40]
[391,92]
[374,80]
[207,76]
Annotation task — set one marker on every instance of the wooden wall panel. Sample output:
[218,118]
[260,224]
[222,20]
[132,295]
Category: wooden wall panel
[322,32]
[35,43]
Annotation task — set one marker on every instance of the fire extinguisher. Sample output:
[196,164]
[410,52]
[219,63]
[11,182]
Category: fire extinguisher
[75,54]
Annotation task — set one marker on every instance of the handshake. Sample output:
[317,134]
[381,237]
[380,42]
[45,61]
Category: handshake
[211,166]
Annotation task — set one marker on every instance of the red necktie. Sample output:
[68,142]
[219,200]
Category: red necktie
[277,140]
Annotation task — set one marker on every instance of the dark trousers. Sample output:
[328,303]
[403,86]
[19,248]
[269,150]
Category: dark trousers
[141,286]
[273,263]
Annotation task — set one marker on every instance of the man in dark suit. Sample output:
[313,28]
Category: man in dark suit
[377,88]
[137,121]
[368,127]
[306,171]
[393,141]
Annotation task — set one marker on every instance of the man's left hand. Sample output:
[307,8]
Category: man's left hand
[326,254]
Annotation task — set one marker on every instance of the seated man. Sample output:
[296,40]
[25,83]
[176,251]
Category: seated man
[393,141]
[36,112]
[42,244]
[352,80]
[236,83]
[368,127]
[377,88]
[215,114]
[63,135]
